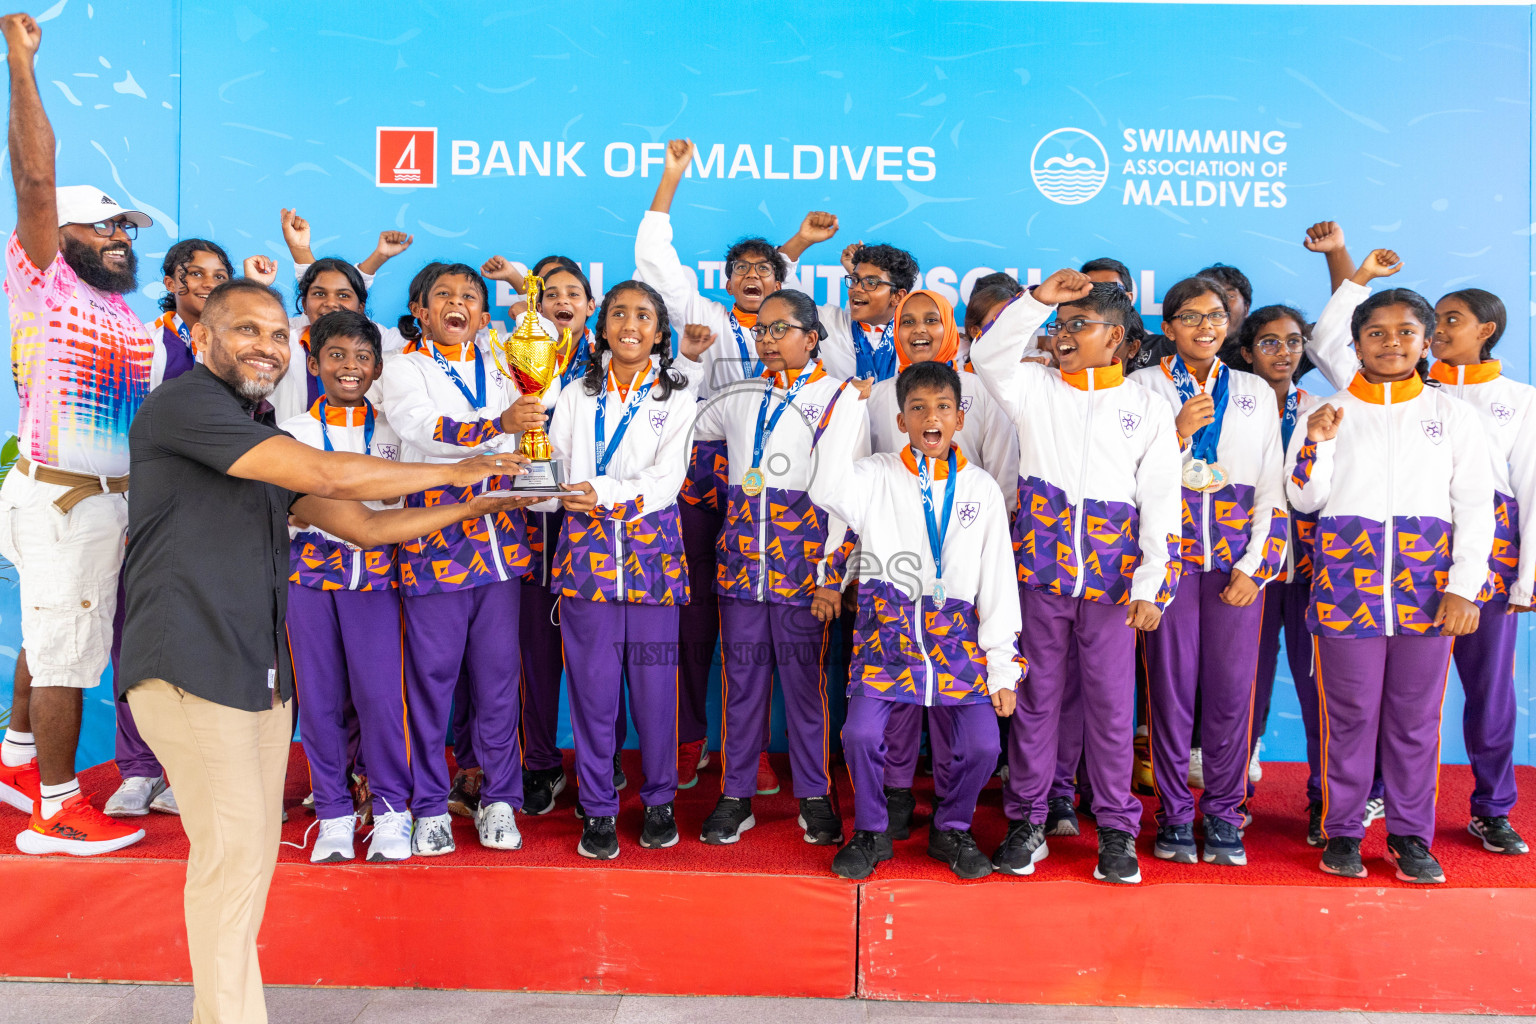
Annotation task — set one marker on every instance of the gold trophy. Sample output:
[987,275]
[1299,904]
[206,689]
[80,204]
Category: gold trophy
[533,360]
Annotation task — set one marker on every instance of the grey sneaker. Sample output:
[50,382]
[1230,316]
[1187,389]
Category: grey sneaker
[432,837]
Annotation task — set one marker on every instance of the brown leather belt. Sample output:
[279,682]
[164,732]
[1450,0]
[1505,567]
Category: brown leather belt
[81,485]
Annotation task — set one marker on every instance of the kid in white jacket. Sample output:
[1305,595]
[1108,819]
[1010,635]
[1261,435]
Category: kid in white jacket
[926,330]
[939,630]
[622,433]
[1399,475]
[781,561]
[1096,539]
[754,268]
[1235,523]
[446,398]
[1468,325]
[344,612]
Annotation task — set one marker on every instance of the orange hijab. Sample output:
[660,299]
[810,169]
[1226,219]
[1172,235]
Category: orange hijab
[949,344]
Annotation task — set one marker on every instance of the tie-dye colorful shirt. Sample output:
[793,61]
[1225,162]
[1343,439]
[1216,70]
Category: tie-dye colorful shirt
[81,360]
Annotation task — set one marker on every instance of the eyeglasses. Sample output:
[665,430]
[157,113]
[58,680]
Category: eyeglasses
[105,228]
[1216,319]
[1073,325]
[775,330]
[741,268]
[1272,346]
[869,284]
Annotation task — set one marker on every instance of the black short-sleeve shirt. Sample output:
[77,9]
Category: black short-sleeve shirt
[206,579]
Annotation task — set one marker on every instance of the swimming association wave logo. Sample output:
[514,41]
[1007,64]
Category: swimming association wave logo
[1069,166]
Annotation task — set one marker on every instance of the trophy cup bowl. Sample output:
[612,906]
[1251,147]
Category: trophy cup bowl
[532,359]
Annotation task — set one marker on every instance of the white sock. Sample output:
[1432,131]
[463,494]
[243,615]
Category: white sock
[18,748]
[54,796]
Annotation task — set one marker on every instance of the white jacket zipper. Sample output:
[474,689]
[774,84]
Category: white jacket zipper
[1082,492]
[618,561]
[1389,545]
[357,569]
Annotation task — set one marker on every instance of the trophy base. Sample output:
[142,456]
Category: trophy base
[542,477]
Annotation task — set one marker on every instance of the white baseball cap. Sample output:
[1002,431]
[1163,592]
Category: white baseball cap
[87,204]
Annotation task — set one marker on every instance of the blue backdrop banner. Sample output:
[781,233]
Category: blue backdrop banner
[978,135]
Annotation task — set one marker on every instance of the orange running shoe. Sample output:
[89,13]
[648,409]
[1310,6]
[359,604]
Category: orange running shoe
[79,829]
[21,787]
[767,781]
[690,758]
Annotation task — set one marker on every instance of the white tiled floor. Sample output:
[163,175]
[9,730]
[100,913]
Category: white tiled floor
[87,1003]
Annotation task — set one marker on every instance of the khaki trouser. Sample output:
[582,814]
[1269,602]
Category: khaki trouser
[228,768]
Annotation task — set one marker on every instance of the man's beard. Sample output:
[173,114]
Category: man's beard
[86,261]
[252,389]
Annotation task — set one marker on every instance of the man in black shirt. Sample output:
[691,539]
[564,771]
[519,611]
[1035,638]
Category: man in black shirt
[205,664]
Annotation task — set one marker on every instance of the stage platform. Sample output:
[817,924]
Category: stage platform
[767,917]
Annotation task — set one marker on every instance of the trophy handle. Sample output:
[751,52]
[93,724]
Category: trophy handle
[499,356]
[564,351]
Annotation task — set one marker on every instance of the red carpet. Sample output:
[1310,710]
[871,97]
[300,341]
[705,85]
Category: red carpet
[1277,851]
[1277,934]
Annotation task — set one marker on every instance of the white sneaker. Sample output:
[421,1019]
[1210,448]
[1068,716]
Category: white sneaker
[133,797]
[335,842]
[1255,769]
[391,837]
[309,802]
[165,802]
[432,837]
[498,827]
[1196,769]
[1375,810]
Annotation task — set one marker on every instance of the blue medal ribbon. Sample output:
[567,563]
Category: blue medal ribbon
[578,364]
[765,425]
[325,435]
[877,363]
[1203,445]
[747,359]
[937,530]
[1288,420]
[605,448]
[476,397]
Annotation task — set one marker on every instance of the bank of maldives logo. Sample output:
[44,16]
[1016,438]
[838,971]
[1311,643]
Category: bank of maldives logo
[407,158]
[1069,166]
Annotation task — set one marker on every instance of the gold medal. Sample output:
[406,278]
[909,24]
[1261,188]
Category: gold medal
[752,482]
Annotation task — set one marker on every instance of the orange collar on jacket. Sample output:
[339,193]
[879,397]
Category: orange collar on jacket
[1111,376]
[940,466]
[1475,373]
[1376,394]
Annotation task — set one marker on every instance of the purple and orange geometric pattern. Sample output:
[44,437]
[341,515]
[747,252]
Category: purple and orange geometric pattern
[1043,544]
[707,484]
[888,663]
[463,555]
[654,572]
[795,537]
[1231,512]
[1504,562]
[325,564]
[1348,590]
[467,435]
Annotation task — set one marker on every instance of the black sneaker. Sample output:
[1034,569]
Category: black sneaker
[464,797]
[1023,847]
[1414,861]
[1342,858]
[1060,817]
[823,826]
[899,805]
[1117,857]
[1176,843]
[1224,843]
[599,838]
[1497,835]
[659,830]
[957,848]
[620,780]
[858,858]
[730,818]
[1315,825]
[540,787]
